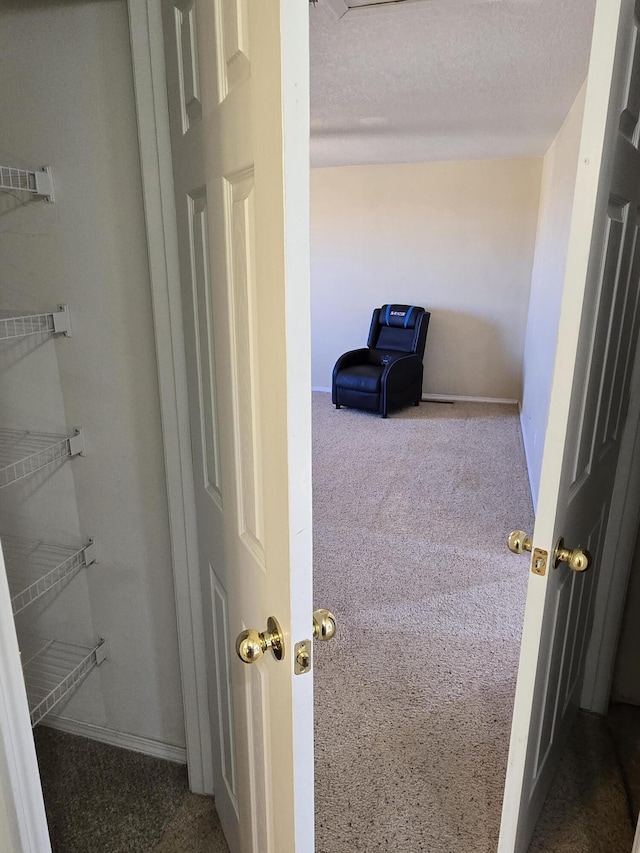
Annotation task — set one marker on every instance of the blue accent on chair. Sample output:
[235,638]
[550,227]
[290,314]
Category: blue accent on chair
[409,312]
[387,374]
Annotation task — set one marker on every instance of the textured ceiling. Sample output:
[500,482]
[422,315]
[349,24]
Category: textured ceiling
[443,79]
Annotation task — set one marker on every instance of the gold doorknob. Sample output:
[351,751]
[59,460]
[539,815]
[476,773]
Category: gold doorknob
[519,542]
[324,625]
[577,558]
[251,644]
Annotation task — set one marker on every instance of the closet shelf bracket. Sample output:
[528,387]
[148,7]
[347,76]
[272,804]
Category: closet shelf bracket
[38,182]
[34,567]
[76,443]
[23,453]
[55,670]
[21,325]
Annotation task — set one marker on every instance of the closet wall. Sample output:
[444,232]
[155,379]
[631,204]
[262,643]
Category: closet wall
[547,282]
[66,99]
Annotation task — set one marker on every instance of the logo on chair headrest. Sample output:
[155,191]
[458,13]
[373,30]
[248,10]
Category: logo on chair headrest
[400,316]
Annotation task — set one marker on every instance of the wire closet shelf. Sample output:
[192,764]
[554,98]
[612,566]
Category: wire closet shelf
[34,567]
[13,325]
[23,452]
[36,182]
[55,670]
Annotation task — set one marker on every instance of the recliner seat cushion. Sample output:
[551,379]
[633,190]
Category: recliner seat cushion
[361,377]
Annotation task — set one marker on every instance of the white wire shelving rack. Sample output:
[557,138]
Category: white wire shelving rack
[23,452]
[14,325]
[38,182]
[34,567]
[55,670]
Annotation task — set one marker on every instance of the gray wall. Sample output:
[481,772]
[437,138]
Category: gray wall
[457,238]
[556,202]
[67,88]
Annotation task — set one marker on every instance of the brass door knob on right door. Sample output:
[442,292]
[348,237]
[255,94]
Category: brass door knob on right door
[576,558]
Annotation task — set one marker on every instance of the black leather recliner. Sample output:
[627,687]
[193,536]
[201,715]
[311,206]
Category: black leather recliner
[387,374]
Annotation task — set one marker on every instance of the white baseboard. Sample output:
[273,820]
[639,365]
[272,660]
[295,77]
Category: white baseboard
[457,398]
[444,398]
[148,746]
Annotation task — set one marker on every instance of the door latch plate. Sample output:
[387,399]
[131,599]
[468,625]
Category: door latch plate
[539,561]
[302,657]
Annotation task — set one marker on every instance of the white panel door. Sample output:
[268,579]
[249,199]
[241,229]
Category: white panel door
[588,410]
[237,79]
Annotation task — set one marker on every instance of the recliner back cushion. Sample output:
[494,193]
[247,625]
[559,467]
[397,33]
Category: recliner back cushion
[394,327]
[398,340]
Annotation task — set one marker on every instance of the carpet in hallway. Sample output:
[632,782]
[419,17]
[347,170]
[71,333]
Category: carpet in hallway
[414,697]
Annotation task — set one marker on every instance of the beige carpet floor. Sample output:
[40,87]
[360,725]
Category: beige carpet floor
[414,698]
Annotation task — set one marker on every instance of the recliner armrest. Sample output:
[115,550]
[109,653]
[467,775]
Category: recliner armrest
[402,365]
[351,358]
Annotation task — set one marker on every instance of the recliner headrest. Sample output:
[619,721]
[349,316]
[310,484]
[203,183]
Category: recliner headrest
[402,316]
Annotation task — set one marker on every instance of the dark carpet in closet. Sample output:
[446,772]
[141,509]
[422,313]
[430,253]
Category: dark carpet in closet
[103,799]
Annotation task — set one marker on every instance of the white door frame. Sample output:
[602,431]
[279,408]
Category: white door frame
[147,52]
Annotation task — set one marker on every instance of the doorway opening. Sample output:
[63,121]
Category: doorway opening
[399,214]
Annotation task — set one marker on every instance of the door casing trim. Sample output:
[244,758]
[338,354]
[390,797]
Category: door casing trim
[152,112]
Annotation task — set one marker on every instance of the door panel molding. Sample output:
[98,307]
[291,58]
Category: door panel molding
[187,49]
[238,212]
[198,223]
[234,63]
[258,728]
[220,610]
